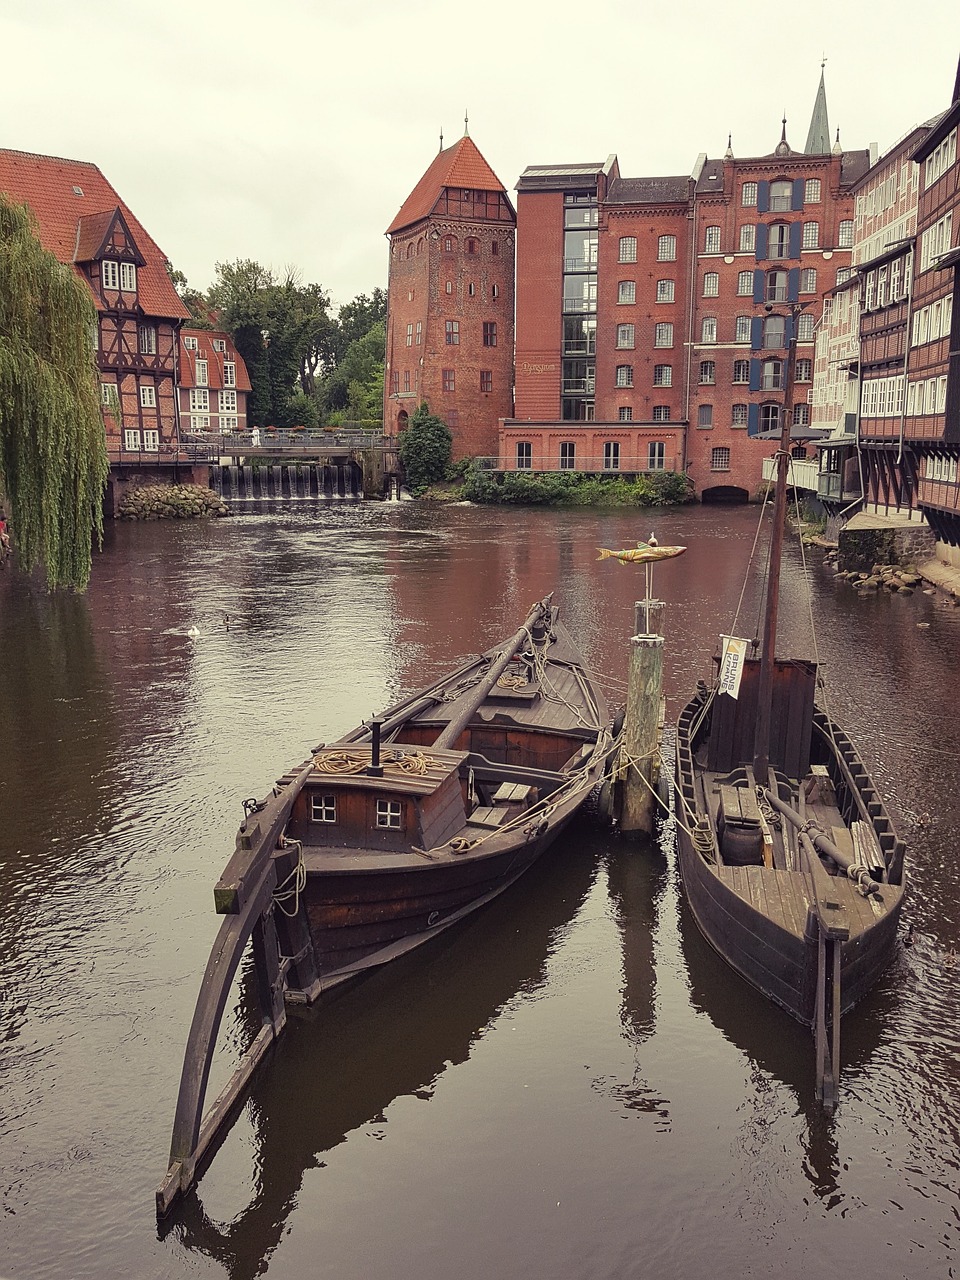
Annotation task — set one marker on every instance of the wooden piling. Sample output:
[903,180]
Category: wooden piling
[641,725]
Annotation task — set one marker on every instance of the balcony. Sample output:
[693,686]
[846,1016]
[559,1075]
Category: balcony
[804,473]
[580,264]
[579,347]
[579,306]
[578,386]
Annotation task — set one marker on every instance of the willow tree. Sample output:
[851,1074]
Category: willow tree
[53,452]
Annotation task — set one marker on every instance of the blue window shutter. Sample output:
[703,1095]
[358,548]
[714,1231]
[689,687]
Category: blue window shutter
[796,232]
[756,333]
[763,234]
[797,202]
[755,375]
[793,284]
[788,331]
[753,420]
[763,197]
[758,282]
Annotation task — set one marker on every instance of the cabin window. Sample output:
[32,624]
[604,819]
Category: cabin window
[323,808]
[390,814]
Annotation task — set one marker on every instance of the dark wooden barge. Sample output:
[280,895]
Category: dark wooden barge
[390,835]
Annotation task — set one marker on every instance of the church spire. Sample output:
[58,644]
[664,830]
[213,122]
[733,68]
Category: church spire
[818,139]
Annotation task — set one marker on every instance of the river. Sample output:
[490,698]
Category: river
[569,1085]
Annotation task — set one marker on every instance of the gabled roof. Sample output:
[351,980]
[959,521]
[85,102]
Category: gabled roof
[96,230]
[214,359]
[73,203]
[461,165]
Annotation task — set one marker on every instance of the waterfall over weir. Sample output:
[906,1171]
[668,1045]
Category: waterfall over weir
[333,481]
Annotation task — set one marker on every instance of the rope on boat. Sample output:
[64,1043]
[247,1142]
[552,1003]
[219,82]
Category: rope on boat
[297,880]
[414,763]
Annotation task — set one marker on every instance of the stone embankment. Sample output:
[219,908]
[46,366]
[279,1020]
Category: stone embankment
[171,502]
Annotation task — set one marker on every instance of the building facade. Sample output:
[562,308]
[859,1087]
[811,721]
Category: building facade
[450,302]
[85,224]
[213,383]
[662,302]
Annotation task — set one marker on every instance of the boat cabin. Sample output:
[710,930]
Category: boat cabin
[415,796]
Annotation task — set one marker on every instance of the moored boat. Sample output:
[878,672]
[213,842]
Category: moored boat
[790,864]
[395,832]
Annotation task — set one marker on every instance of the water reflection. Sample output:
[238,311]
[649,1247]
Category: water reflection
[392,1035]
[779,1052]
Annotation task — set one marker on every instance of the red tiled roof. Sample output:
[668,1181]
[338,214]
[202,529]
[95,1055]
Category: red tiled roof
[72,200]
[461,165]
[214,359]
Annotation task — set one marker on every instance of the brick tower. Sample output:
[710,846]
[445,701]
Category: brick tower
[450,301]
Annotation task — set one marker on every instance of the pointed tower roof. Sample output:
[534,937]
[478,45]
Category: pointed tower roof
[461,165]
[818,138]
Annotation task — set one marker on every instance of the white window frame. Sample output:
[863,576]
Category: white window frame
[745,284]
[711,240]
[663,334]
[131,440]
[667,248]
[811,236]
[611,455]
[128,277]
[189,343]
[228,401]
[811,191]
[663,375]
[656,455]
[200,422]
[626,337]
[151,440]
[110,275]
[708,329]
[748,195]
[147,339]
[626,292]
[323,808]
[720,458]
[743,329]
[148,395]
[628,249]
[199,400]
[624,375]
[229,373]
[748,238]
[202,375]
[228,422]
[711,284]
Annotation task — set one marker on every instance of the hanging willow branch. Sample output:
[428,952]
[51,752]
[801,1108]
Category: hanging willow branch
[53,453]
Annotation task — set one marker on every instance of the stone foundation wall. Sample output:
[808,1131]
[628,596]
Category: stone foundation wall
[861,549]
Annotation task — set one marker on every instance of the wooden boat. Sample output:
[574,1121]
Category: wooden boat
[789,861]
[383,839]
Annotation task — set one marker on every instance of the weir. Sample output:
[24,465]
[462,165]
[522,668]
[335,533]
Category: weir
[290,481]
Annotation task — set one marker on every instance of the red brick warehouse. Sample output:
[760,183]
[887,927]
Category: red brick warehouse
[450,301]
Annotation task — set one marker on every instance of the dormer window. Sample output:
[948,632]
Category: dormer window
[229,373]
[128,277]
[219,344]
[110,274]
[190,344]
[201,373]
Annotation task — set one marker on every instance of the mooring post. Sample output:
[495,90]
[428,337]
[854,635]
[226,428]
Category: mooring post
[641,726]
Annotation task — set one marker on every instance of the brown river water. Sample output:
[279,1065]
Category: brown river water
[569,1085]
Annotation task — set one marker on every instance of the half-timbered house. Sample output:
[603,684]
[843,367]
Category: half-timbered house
[84,223]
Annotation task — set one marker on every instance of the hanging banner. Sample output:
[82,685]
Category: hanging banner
[732,657]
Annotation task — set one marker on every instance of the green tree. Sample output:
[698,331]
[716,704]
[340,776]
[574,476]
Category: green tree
[362,363]
[53,453]
[202,315]
[424,449]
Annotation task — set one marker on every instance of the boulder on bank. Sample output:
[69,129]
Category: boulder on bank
[171,502]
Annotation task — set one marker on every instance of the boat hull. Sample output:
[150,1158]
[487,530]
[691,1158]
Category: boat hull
[359,920]
[761,920]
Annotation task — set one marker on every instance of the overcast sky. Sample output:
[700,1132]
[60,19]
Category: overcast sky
[292,131]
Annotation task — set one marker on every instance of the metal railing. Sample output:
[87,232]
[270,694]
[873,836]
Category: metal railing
[803,473]
[292,441]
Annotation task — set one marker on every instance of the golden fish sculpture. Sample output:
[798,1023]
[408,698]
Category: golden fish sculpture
[642,553]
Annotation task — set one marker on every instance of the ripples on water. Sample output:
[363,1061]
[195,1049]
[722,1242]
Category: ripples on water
[570,1084]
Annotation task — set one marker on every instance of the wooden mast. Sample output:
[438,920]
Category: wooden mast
[451,733]
[761,741]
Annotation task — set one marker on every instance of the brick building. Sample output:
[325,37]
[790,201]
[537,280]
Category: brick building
[450,301]
[213,383]
[932,420]
[85,224]
[661,302]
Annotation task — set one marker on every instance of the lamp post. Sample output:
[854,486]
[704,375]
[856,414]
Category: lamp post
[761,741]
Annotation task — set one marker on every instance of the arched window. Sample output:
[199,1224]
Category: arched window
[774,331]
[778,245]
[769,417]
[711,240]
[781,195]
[771,375]
[776,290]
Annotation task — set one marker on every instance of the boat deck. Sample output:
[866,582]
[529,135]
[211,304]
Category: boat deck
[784,897]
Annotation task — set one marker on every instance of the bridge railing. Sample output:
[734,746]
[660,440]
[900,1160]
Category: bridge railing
[286,441]
[803,474]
